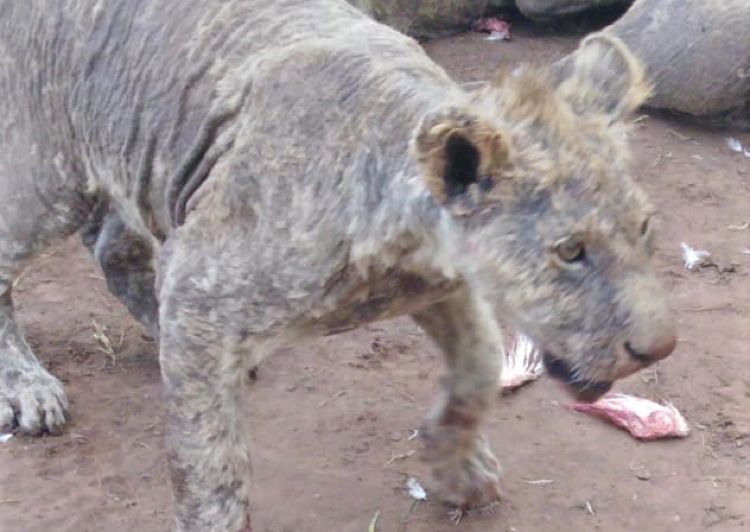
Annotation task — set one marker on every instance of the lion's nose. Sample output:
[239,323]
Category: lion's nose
[654,352]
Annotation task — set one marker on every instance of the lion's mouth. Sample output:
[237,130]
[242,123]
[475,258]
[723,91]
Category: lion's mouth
[583,390]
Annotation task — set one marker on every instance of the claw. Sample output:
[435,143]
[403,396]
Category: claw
[464,476]
[458,513]
[455,515]
[489,508]
[35,403]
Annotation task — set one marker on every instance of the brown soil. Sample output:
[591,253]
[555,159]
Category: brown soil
[330,417]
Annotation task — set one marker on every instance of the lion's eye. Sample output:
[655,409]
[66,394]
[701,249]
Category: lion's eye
[644,227]
[571,250]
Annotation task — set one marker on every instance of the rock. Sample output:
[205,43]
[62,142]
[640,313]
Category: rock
[547,9]
[499,5]
[363,5]
[424,19]
[696,54]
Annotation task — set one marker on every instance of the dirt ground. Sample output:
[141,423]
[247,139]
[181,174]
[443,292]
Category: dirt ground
[331,420]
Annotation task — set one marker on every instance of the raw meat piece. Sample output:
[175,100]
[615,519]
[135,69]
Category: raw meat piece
[644,419]
[522,363]
[498,29]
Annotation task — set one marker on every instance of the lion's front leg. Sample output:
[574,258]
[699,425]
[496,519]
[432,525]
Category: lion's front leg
[204,371]
[465,472]
[207,445]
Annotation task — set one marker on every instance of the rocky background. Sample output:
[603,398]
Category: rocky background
[696,52]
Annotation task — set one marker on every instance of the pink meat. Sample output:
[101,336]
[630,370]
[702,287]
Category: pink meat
[644,419]
[493,25]
[522,364]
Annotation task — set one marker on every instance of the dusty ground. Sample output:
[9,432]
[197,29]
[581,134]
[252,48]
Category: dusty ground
[329,417]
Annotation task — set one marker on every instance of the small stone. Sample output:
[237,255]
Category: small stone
[643,474]
[362,447]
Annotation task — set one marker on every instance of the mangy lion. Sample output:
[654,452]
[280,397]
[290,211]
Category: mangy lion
[251,174]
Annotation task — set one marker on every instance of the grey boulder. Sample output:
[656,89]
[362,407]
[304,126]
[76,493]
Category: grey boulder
[696,54]
[424,19]
[549,9]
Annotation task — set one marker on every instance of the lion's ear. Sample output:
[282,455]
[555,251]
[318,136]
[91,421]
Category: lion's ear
[456,151]
[602,76]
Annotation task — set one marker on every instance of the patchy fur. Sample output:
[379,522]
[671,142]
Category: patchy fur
[295,169]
